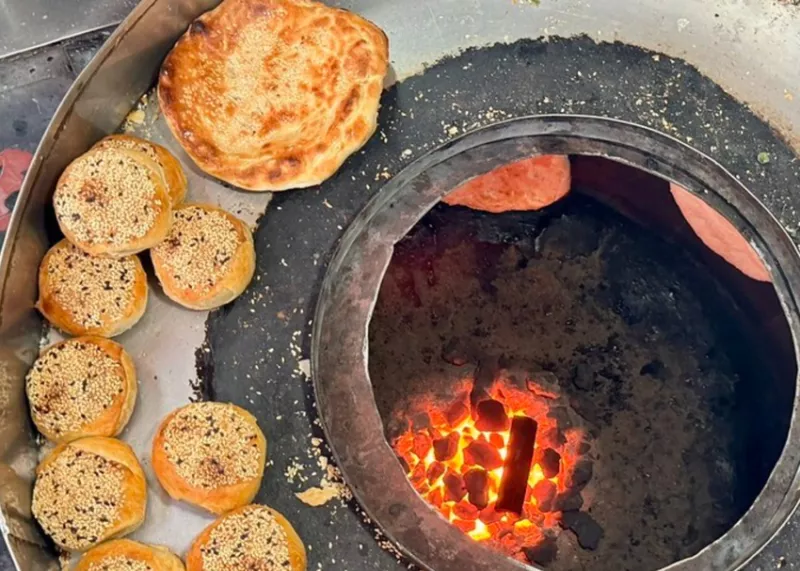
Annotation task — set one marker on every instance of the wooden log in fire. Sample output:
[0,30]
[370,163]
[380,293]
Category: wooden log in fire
[517,467]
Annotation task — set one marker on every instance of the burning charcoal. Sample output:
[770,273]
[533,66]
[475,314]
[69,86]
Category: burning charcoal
[435,471]
[454,490]
[496,440]
[554,437]
[492,416]
[490,515]
[588,531]
[550,463]
[533,515]
[545,493]
[581,474]
[457,413]
[404,444]
[417,476]
[420,421]
[422,444]
[583,376]
[570,501]
[543,553]
[454,353]
[465,510]
[436,497]
[464,525]
[517,467]
[445,448]
[477,482]
[482,454]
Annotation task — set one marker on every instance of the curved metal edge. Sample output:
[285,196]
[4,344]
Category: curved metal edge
[339,343]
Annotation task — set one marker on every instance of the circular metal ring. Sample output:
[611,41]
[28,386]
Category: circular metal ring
[350,289]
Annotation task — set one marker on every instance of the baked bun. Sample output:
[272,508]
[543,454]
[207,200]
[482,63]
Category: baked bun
[211,455]
[252,537]
[113,202]
[207,260]
[84,295]
[274,94]
[89,490]
[82,387]
[169,166]
[127,555]
[529,184]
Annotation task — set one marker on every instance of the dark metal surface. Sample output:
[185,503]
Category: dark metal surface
[28,24]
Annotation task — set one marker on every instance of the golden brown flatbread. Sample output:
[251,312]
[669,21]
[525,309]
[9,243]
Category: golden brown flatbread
[274,94]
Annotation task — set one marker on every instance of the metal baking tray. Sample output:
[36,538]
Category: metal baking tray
[728,42]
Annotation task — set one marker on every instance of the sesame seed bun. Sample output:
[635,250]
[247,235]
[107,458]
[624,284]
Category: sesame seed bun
[170,167]
[85,295]
[113,202]
[208,258]
[127,555]
[82,387]
[211,455]
[274,94]
[255,534]
[98,473]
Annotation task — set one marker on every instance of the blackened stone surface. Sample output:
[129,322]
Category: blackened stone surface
[569,501]
[582,473]
[544,553]
[588,532]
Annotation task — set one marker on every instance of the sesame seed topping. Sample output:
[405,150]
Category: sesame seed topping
[95,291]
[77,497]
[119,563]
[250,539]
[212,445]
[71,385]
[131,145]
[107,197]
[199,249]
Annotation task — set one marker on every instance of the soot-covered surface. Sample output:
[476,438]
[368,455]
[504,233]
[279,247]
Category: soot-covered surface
[259,341]
[637,333]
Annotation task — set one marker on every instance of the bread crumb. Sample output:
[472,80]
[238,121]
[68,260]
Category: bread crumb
[316,497]
[136,116]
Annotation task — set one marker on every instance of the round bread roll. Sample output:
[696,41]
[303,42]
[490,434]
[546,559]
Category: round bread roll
[274,94]
[89,490]
[529,184]
[84,295]
[211,455]
[252,537]
[113,202]
[82,387]
[207,260]
[169,166]
[127,555]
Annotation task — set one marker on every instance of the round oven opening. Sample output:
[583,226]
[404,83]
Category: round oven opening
[607,381]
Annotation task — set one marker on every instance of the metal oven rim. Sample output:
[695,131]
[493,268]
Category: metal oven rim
[349,292]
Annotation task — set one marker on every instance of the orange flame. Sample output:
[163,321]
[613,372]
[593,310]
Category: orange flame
[447,492]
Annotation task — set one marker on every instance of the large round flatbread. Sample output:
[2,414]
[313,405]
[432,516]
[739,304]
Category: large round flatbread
[274,94]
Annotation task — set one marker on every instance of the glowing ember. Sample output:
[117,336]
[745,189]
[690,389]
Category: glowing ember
[458,468]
